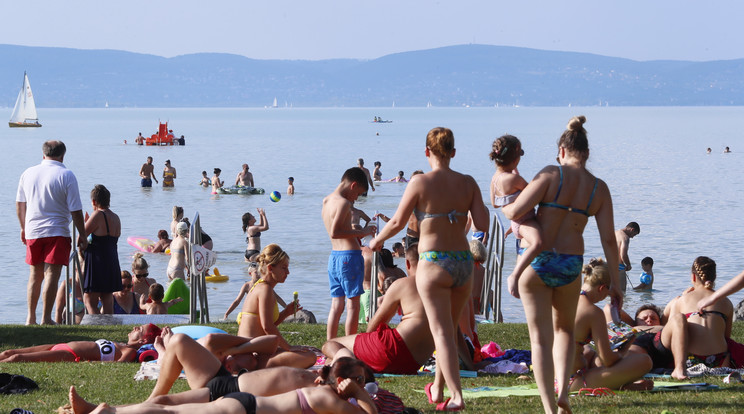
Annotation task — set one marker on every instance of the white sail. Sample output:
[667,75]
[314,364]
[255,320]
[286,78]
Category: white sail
[25,107]
[275,104]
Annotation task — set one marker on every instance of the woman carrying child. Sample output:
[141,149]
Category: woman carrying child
[568,194]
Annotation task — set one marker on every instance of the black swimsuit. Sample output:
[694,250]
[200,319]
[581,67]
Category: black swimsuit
[247,400]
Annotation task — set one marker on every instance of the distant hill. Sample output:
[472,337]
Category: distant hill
[475,75]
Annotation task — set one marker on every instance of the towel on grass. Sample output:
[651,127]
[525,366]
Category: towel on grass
[150,370]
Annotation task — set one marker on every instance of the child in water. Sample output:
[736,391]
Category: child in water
[290,186]
[157,306]
[205,180]
[647,277]
[506,185]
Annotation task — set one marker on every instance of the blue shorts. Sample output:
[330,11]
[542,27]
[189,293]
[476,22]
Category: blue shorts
[346,273]
[146,182]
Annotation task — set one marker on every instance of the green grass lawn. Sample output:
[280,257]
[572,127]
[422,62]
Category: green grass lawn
[114,384]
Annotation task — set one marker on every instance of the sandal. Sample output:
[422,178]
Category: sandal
[596,392]
[427,391]
[443,406]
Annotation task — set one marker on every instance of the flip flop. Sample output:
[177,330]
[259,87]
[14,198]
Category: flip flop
[443,406]
[427,391]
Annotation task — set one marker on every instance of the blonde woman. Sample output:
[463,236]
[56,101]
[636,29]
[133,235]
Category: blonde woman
[567,195]
[615,371]
[260,315]
[177,217]
[441,200]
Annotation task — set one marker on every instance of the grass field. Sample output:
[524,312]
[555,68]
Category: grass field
[113,382]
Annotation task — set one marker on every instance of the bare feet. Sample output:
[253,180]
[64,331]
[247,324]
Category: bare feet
[563,405]
[640,385]
[103,408]
[48,322]
[679,374]
[79,405]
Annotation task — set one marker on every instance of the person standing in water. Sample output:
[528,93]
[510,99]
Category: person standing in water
[244,178]
[169,174]
[147,173]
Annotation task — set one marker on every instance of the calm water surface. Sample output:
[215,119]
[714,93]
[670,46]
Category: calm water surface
[653,159]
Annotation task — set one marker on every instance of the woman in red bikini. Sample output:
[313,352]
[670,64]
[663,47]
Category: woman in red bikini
[101,350]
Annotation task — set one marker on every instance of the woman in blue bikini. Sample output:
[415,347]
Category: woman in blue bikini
[441,200]
[567,195]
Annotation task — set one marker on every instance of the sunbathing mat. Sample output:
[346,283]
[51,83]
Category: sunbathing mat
[463,374]
[530,390]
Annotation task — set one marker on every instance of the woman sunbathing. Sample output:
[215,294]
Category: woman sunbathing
[344,380]
[615,371]
[210,363]
[76,351]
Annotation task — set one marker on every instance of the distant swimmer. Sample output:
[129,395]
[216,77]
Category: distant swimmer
[244,178]
[147,173]
[169,174]
[216,183]
[377,174]
[290,186]
[708,151]
[726,150]
[204,180]
[140,140]
[399,179]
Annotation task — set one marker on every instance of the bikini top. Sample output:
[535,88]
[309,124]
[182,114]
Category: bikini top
[568,208]
[501,201]
[701,314]
[451,216]
[256,235]
[276,307]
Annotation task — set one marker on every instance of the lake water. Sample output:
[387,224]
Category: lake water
[653,159]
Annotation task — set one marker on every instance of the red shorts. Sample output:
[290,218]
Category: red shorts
[384,351]
[52,250]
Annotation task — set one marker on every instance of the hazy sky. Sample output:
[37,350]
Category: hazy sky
[322,29]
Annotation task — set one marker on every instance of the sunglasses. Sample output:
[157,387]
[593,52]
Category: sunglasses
[142,275]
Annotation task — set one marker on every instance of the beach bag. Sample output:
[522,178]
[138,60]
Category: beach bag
[387,402]
[16,384]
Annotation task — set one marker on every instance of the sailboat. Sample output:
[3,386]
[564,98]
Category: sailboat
[275,104]
[24,113]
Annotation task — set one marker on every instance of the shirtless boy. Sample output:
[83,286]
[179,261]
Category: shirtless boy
[147,173]
[412,337]
[156,306]
[290,186]
[345,264]
[623,237]
[244,177]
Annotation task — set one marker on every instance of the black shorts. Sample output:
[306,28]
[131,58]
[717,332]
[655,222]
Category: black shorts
[222,384]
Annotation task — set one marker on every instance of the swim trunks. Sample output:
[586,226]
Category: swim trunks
[385,351]
[661,356]
[247,400]
[146,182]
[53,250]
[304,406]
[557,269]
[221,384]
[346,273]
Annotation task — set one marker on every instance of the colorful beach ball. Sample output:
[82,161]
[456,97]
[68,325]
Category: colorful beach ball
[275,196]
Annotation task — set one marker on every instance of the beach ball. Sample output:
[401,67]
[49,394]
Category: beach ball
[275,196]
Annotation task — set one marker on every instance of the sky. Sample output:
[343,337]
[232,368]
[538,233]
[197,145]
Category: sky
[326,29]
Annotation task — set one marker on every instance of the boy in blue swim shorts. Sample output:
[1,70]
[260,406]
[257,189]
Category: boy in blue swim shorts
[345,264]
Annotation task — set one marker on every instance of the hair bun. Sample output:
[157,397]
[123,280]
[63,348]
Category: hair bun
[576,123]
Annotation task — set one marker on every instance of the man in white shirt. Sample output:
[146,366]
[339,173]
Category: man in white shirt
[47,198]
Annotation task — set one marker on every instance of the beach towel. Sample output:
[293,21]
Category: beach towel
[150,370]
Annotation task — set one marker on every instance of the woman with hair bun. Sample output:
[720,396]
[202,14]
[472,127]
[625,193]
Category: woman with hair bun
[566,196]
[616,371]
[260,315]
[707,330]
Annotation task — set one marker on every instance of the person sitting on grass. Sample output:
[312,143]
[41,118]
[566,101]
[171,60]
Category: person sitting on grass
[399,350]
[616,371]
[335,386]
[75,351]
[163,242]
[155,305]
[261,312]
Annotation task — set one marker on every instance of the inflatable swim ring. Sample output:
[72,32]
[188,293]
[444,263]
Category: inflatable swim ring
[196,331]
[178,289]
[143,244]
[216,276]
